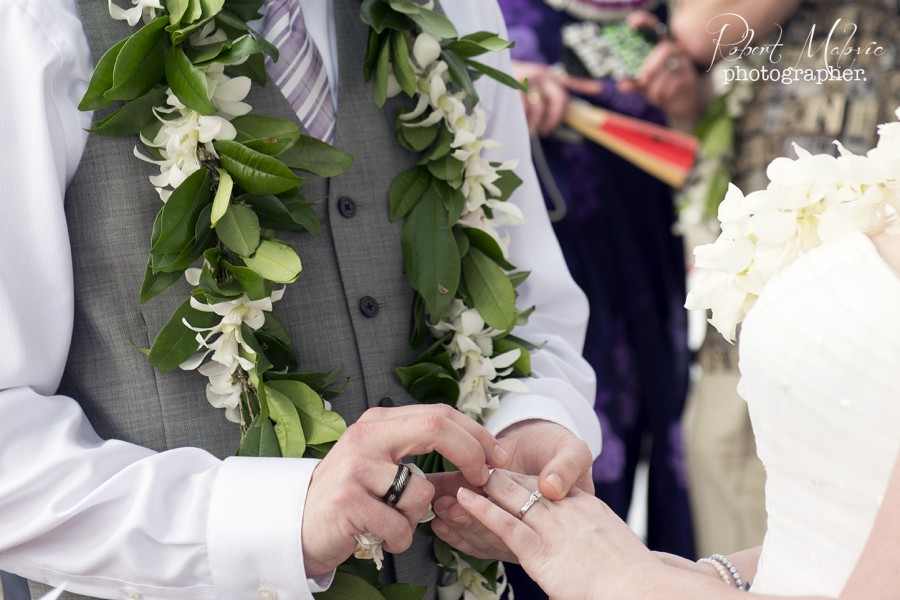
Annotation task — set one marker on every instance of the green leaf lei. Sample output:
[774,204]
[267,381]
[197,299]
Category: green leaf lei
[228,184]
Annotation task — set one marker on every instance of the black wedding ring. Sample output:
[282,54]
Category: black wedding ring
[398,486]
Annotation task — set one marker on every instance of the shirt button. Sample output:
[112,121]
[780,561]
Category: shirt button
[131,593]
[369,306]
[266,593]
[346,206]
[386,402]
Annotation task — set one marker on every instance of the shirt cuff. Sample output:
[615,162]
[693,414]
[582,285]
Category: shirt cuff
[321,583]
[255,520]
[545,402]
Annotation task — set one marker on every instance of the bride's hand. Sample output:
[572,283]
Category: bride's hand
[535,447]
[573,548]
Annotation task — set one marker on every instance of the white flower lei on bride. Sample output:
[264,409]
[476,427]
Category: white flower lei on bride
[226,181]
[809,201]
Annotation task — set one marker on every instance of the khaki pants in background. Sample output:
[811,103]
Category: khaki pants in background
[726,478]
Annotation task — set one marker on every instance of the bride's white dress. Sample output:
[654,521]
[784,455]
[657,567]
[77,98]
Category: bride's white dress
[820,364]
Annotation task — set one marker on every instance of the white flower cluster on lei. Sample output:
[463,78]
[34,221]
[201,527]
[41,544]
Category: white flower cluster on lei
[471,346]
[183,138]
[808,201]
[185,135]
[468,129]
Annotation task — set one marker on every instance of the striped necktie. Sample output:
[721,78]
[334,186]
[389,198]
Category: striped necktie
[299,73]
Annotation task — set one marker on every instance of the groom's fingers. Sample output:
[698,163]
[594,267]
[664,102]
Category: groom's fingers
[568,466]
[439,428]
[386,523]
[493,452]
[416,499]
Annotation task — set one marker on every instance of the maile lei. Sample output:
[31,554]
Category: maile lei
[227,182]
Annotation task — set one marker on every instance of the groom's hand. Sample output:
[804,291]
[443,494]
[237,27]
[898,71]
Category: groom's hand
[535,447]
[551,451]
[346,491]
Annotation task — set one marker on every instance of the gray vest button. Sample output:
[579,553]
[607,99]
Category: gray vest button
[386,402]
[346,206]
[369,306]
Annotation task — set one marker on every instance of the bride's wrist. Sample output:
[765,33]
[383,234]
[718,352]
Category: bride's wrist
[719,566]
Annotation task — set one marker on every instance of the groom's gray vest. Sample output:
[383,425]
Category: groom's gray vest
[350,308]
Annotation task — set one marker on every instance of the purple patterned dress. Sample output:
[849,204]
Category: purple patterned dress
[618,241]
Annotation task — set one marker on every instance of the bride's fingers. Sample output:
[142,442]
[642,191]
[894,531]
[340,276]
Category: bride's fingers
[472,547]
[458,528]
[514,497]
[519,536]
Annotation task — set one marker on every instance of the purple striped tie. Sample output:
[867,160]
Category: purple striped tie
[299,73]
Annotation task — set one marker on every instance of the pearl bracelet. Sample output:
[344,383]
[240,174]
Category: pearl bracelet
[719,567]
[726,570]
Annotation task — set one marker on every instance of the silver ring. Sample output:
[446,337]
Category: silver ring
[673,63]
[398,486]
[534,497]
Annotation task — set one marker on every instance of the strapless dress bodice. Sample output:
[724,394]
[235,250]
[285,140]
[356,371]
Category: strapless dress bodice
[820,371]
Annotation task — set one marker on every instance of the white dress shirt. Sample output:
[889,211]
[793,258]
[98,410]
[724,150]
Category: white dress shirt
[113,519]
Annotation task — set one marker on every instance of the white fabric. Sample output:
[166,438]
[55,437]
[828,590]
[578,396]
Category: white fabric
[111,518]
[819,356]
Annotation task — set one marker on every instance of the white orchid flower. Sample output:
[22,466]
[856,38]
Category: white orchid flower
[471,348]
[886,153]
[134,14]
[469,332]
[449,105]
[368,546]
[184,130]
[467,583]
[433,93]
[179,139]
[227,93]
[235,313]
[807,168]
[224,389]
[426,50]
[393,86]
[482,382]
[225,341]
